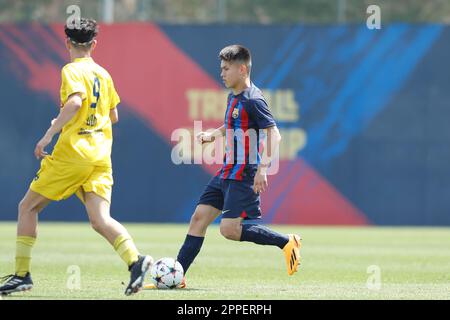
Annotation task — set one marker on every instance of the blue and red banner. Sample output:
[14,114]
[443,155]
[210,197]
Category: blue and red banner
[363,116]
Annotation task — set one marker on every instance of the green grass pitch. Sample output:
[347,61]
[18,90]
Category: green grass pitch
[414,263]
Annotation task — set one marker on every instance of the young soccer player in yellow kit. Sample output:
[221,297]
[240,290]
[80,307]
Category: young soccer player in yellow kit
[80,163]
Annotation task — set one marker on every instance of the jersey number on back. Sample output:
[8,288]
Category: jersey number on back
[96,92]
[92,120]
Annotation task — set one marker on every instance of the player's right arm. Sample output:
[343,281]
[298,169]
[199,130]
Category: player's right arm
[203,137]
[70,109]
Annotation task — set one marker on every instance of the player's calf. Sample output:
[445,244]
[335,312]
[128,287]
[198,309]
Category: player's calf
[203,216]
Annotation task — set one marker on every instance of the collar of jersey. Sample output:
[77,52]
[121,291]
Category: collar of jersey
[82,59]
[244,91]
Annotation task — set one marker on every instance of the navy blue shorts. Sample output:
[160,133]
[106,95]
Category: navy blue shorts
[235,198]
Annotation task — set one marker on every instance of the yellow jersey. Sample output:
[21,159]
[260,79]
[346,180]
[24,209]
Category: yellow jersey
[87,138]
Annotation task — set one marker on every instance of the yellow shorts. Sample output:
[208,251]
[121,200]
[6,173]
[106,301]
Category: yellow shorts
[57,180]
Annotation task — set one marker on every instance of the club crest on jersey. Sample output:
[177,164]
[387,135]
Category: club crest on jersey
[91,120]
[235,113]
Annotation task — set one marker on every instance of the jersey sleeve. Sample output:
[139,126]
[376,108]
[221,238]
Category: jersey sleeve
[114,97]
[71,83]
[260,113]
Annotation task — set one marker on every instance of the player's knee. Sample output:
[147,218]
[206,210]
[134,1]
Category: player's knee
[198,219]
[97,224]
[29,206]
[25,207]
[21,207]
[229,232]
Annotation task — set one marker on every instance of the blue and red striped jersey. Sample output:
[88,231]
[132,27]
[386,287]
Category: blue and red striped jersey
[247,114]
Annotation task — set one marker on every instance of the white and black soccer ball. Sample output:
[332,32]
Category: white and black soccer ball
[166,273]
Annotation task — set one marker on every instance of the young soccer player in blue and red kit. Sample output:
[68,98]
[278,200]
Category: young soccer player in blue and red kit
[234,192]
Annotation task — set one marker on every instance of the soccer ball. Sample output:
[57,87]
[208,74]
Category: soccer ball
[166,273]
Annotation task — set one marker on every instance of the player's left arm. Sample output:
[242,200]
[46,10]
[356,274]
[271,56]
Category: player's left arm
[114,115]
[114,101]
[70,109]
[261,114]
[273,135]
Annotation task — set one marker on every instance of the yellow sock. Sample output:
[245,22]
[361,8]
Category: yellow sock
[24,245]
[126,249]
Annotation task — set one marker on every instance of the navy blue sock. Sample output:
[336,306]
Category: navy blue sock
[260,234]
[190,249]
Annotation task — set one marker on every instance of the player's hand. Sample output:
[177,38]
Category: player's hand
[203,137]
[260,183]
[39,151]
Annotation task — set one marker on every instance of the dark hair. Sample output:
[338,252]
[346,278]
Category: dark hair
[238,53]
[82,35]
